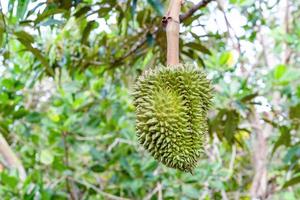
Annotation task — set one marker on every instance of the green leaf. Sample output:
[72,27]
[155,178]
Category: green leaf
[225,57]
[98,168]
[22,7]
[292,74]
[4,98]
[26,41]
[292,154]
[82,11]
[8,83]
[102,12]
[279,71]
[34,117]
[284,139]
[47,14]
[292,181]
[157,5]
[231,125]
[248,97]
[2,28]
[10,181]
[294,112]
[24,36]
[298,91]
[199,47]
[87,30]
[46,157]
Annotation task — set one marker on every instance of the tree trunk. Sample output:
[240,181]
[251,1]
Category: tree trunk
[11,160]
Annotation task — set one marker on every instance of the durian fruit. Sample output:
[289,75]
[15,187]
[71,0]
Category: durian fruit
[171,107]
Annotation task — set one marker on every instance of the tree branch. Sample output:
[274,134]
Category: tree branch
[101,192]
[10,158]
[69,183]
[197,6]
[154,33]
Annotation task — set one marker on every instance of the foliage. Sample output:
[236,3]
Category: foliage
[66,78]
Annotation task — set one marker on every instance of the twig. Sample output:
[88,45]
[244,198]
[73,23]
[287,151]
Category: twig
[117,141]
[93,138]
[69,183]
[105,194]
[197,6]
[157,189]
[287,52]
[232,160]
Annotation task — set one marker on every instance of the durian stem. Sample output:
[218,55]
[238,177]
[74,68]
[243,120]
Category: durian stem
[172,30]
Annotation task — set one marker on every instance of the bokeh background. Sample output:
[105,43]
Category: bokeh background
[67,122]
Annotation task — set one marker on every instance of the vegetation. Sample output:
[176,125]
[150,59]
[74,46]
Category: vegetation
[67,120]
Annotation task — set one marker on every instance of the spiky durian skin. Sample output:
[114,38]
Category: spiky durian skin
[171,107]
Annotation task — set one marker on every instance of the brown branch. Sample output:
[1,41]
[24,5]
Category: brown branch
[135,48]
[99,191]
[157,190]
[10,158]
[287,52]
[196,7]
[154,33]
[69,183]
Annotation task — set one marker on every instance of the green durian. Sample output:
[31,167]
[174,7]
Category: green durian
[171,107]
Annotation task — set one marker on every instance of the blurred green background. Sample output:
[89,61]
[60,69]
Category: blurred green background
[66,74]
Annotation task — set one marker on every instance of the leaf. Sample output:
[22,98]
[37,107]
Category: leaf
[231,125]
[46,157]
[199,47]
[293,153]
[226,58]
[47,14]
[24,36]
[82,11]
[284,139]
[226,124]
[2,28]
[21,8]
[10,181]
[98,168]
[279,71]
[292,181]
[102,12]
[294,112]
[292,74]
[87,30]
[26,40]
[248,97]
[34,117]
[157,5]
